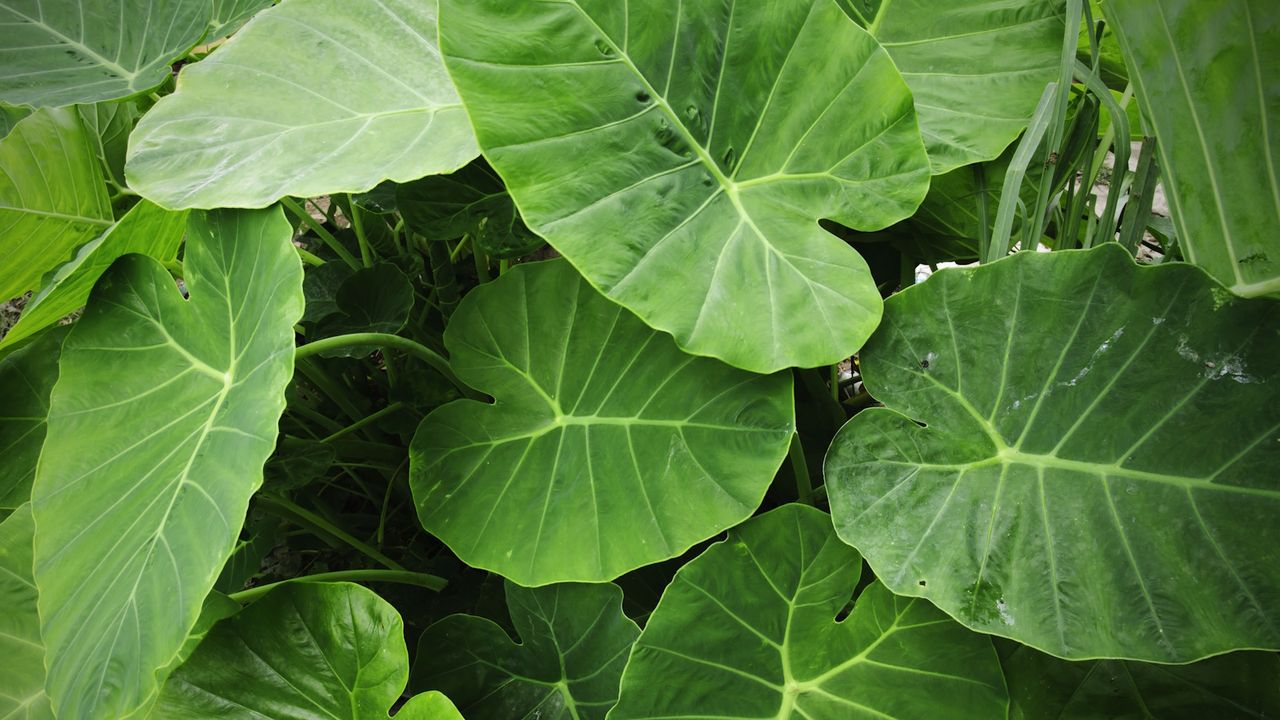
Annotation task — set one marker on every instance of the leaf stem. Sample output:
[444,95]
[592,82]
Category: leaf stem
[365,421]
[301,516]
[357,224]
[404,577]
[422,352]
[800,468]
[325,236]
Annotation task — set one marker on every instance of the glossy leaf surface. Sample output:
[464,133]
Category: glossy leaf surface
[52,197]
[313,97]
[680,155]
[1205,74]
[22,683]
[573,642]
[85,51]
[27,376]
[1053,497]
[146,229]
[975,68]
[163,415]
[607,448]
[748,630]
[1239,685]
[306,650]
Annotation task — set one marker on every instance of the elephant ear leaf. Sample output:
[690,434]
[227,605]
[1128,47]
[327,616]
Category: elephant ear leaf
[681,154]
[163,415]
[1021,437]
[22,695]
[330,650]
[573,645]
[606,447]
[748,630]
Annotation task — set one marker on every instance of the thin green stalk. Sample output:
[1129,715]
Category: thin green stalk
[301,516]
[308,258]
[366,421]
[357,224]
[422,352]
[1013,177]
[443,278]
[817,388]
[336,392]
[324,421]
[325,236]
[482,264]
[403,577]
[457,249]
[1058,123]
[1120,125]
[1141,195]
[984,228]
[800,468]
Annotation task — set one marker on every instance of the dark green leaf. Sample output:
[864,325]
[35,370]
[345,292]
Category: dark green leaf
[162,417]
[373,299]
[26,376]
[681,154]
[572,644]
[1095,475]
[472,201]
[748,630]
[607,447]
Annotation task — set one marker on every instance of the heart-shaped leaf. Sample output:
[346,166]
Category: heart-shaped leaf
[313,97]
[573,643]
[86,51]
[975,68]
[607,448]
[748,630]
[162,417]
[52,197]
[1053,497]
[680,155]
[306,650]
[27,376]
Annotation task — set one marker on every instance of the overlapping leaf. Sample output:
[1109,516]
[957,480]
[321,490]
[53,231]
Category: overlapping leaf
[1053,497]
[312,97]
[146,229]
[26,376]
[52,197]
[748,630]
[229,15]
[680,155]
[1206,77]
[976,68]
[573,644]
[306,650]
[86,51]
[22,683]
[471,202]
[607,447]
[163,414]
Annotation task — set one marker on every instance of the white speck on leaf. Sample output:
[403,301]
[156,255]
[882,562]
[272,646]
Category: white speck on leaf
[1003,609]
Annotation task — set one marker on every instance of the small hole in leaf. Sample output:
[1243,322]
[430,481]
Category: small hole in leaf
[925,363]
[642,96]
[922,583]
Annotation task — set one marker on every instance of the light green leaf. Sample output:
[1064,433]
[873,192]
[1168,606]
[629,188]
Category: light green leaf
[146,229]
[1205,74]
[572,645]
[22,682]
[26,378]
[606,449]
[748,630]
[52,197]
[975,68]
[229,15]
[1239,685]
[306,650]
[1052,496]
[159,425]
[473,202]
[680,155]
[86,51]
[313,97]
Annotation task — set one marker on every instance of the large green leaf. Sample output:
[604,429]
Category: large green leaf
[52,197]
[26,378]
[312,97]
[573,644]
[1096,472]
[22,682]
[606,448]
[976,68]
[163,414]
[1205,73]
[680,155]
[748,630]
[1239,685]
[306,650]
[229,15]
[471,202]
[146,229]
[85,51]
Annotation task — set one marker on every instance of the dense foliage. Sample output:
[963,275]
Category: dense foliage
[636,360]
